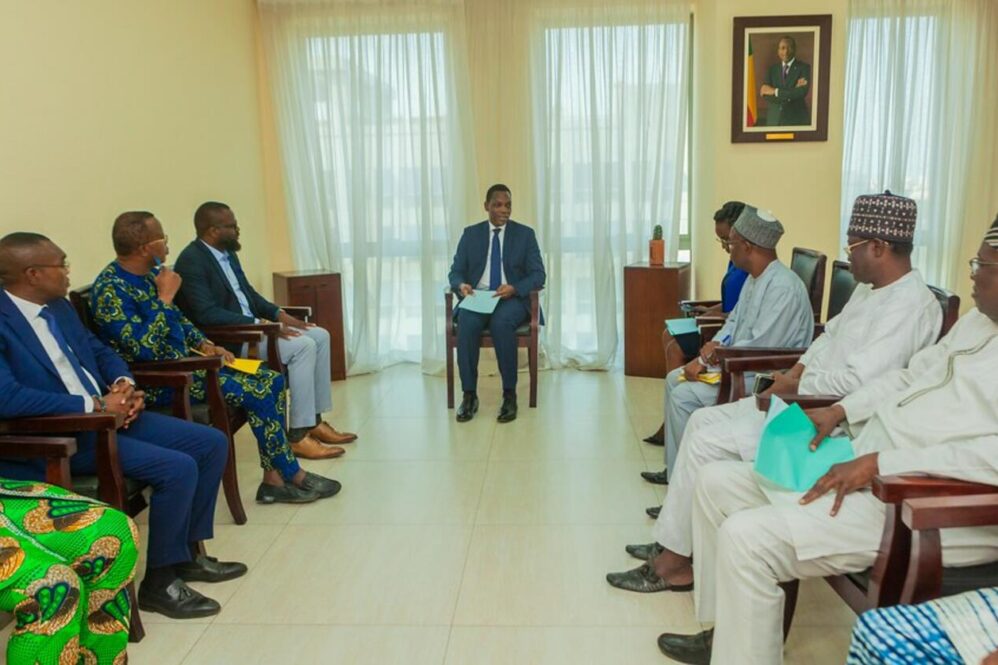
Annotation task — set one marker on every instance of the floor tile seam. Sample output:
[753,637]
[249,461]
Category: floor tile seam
[263,555]
[187,654]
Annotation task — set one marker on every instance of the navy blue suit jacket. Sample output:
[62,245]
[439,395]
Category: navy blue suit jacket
[29,382]
[521,259]
[206,296]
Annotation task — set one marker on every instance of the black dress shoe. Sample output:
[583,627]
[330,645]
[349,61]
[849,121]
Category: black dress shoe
[468,408]
[176,600]
[656,477]
[507,412]
[324,487]
[643,580]
[653,512]
[693,649]
[654,440]
[645,552]
[286,493]
[209,569]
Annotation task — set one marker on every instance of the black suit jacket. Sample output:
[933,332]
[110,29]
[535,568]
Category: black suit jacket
[206,296]
[789,107]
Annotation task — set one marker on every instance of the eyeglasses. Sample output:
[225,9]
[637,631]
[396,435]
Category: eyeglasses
[848,248]
[976,263]
[64,265]
[165,238]
[725,243]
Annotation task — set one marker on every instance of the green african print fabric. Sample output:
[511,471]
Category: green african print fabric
[65,563]
[138,325]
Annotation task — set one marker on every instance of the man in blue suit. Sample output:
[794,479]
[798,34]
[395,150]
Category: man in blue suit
[50,365]
[498,255]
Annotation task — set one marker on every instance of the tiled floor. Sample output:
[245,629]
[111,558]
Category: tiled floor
[472,543]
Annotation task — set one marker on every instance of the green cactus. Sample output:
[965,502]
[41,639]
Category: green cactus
[657,232]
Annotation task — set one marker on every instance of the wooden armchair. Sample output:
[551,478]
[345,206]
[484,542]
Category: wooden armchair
[527,336]
[253,333]
[840,288]
[809,265]
[215,412]
[908,568]
[20,439]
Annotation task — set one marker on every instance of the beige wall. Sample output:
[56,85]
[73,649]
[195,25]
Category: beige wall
[110,105]
[800,182]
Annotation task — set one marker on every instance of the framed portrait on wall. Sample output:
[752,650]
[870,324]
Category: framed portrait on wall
[779,78]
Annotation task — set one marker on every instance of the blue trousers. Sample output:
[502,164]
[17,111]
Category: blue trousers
[183,462]
[509,315]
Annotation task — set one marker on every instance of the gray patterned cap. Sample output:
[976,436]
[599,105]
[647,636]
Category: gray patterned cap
[991,237]
[760,227]
[883,217]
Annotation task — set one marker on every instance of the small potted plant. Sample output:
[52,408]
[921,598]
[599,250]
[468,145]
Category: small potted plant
[656,247]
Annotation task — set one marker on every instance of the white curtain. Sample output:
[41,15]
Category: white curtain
[919,75]
[610,99]
[374,140]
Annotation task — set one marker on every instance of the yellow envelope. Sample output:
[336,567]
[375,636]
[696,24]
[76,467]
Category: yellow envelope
[245,365]
[711,378]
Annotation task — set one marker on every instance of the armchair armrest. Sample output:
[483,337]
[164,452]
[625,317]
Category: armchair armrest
[736,361]
[178,365]
[181,383]
[895,489]
[238,336]
[699,303]
[945,512]
[805,401]
[68,424]
[56,452]
[271,329]
[302,312]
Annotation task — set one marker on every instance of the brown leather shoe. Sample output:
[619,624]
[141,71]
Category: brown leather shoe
[327,434]
[310,448]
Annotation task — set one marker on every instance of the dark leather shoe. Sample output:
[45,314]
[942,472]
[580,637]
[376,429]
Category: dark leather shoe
[656,477]
[693,649]
[324,487]
[643,580]
[286,493]
[507,412]
[177,601]
[653,512]
[209,569]
[645,552]
[468,408]
[656,439]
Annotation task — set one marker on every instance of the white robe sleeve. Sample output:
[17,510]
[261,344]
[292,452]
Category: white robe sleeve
[974,460]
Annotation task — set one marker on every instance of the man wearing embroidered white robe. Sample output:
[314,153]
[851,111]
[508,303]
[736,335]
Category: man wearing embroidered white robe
[938,416]
[773,310]
[891,315]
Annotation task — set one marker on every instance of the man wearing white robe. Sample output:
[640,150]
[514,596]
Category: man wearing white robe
[891,315]
[938,416]
[773,310]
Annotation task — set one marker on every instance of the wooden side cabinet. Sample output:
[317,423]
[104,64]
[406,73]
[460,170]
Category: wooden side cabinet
[321,291]
[651,295]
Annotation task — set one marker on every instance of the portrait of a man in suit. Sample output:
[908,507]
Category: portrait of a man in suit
[786,87]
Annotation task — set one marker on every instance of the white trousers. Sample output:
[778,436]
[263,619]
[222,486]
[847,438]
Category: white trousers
[744,549]
[309,379]
[681,400]
[716,433]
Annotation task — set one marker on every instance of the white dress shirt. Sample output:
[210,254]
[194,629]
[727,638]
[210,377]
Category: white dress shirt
[483,283]
[878,331]
[33,313]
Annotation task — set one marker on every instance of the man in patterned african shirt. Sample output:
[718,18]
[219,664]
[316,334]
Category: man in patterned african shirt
[132,305]
[65,563]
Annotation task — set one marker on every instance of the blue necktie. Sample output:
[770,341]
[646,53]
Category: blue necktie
[60,339]
[495,263]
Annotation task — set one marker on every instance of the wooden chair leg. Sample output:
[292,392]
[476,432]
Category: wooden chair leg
[135,630]
[230,485]
[532,365]
[450,376]
[790,590]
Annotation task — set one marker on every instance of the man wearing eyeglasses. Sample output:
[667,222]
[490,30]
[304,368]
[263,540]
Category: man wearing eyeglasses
[937,416]
[215,292]
[891,315]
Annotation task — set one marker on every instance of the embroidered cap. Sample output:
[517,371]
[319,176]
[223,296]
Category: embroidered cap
[760,227]
[883,217]
[991,237]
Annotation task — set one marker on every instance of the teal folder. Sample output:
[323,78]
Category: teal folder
[681,326]
[784,457]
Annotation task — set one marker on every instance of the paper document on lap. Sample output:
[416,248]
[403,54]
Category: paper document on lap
[245,365]
[483,302]
[681,326]
[784,457]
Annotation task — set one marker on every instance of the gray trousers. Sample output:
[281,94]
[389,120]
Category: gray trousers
[307,359]
[681,400]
